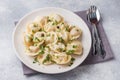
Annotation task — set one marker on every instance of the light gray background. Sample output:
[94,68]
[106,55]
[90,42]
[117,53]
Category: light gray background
[11,10]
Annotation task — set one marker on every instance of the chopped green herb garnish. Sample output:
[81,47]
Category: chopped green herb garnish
[61,49]
[35,60]
[71,62]
[36,39]
[33,31]
[53,61]
[72,59]
[74,46]
[42,49]
[60,39]
[35,25]
[48,58]
[47,46]
[70,52]
[40,29]
[62,22]
[35,44]
[67,28]
[55,23]
[49,20]
[41,52]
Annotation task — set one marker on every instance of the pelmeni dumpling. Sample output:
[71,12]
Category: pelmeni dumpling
[32,51]
[49,27]
[63,35]
[61,27]
[43,21]
[56,17]
[33,27]
[39,37]
[58,47]
[61,58]
[45,58]
[75,47]
[28,39]
[75,33]
[51,37]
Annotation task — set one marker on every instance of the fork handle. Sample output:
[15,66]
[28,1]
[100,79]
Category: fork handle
[99,45]
[93,42]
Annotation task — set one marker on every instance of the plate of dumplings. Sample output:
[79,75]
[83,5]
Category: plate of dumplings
[51,40]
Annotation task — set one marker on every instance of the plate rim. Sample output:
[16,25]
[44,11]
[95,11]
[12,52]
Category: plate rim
[16,52]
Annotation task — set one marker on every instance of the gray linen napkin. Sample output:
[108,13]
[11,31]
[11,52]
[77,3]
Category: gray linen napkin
[90,59]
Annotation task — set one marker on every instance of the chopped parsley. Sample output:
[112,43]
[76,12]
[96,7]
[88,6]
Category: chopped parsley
[47,46]
[61,49]
[41,52]
[36,39]
[35,44]
[60,39]
[35,25]
[33,31]
[70,52]
[71,62]
[35,60]
[55,23]
[48,19]
[62,23]
[48,58]
[72,59]
[74,46]
[67,28]
[42,49]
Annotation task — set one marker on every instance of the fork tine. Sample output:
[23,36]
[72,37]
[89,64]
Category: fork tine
[91,9]
[94,7]
[88,16]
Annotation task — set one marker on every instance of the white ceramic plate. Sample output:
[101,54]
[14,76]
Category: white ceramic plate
[71,18]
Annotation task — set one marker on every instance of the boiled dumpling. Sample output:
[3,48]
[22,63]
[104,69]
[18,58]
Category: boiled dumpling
[44,56]
[75,47]
[45,59]
[58,47]
[28,40]
[75,33]
[39,37]
[33,50]
[43,21]
[61,58]
[63,26]
[51,37]
[63,36]
[49,27]
[56,17]
[33,27]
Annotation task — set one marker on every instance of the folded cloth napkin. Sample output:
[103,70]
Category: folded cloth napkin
[90,59]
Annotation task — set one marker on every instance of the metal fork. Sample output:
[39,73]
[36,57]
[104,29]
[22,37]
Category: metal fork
[93,16]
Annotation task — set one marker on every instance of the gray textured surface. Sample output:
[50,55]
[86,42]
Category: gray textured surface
[10,66]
